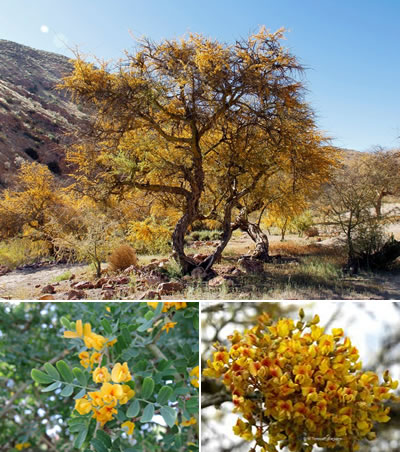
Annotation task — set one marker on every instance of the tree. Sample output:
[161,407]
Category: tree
[198,123]
[352,204]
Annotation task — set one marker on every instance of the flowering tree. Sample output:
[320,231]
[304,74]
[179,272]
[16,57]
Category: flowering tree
[127,381]
[297,386]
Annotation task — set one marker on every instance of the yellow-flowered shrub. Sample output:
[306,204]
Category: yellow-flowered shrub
[297,386]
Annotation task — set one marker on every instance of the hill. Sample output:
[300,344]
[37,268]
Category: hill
[35,118]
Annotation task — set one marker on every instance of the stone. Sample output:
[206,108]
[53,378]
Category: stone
[168,288]
[237,272]
[100,283]
[4,270]
[198,273]
[83,285]
[200,257]
[130,269]
[150,295]
[76,294]
[220,281]
[122,280]
[46,297]
[48,289]
[250,265]
[108,294]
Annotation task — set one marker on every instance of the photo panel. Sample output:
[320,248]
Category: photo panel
[295,376]
[107,377]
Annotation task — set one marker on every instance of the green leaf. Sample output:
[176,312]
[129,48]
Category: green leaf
[147,387]
[80,376]
[76,428]
[104,438]
[148,413]
[106,326]
[52,387]
[65,371]
[149,315]
[41,377]
[145,326]
[169,415]
[52,371]
[126,335]
[80,439]
[133,409]
[67,391]
[80,394]
[164,395]
[192,405]
[98,445]
[158,309]
[65,323]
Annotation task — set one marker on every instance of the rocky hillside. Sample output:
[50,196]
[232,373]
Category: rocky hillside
[35,118]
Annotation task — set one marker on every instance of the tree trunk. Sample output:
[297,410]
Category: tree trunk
[261,250]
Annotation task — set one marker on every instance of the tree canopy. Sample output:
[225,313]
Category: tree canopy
[206,126]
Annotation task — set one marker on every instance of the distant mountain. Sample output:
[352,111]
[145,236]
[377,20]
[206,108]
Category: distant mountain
[35,118]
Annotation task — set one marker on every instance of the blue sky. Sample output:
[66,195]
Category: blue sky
[350,47]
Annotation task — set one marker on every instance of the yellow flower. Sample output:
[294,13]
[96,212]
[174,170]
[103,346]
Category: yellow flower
[101,375]
[105,413]
[168,326]
[195,373]
[110,393]
[93,340]
[83,406]
[128,426]
[191,421]
[21,446]
[120,373]
[128,394]
[108,309]
[80,332]
[84,359]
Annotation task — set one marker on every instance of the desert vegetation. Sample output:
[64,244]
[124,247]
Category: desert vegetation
[198,158]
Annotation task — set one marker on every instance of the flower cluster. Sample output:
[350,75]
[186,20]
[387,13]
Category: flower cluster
[297,386]
[195,374]
[21,446]
[167,305]
[104,402]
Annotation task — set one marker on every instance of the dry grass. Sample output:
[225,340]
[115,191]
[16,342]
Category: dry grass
[121,258]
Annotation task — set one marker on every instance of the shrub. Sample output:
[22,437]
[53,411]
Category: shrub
[121,258]
[150,236]
[16,252]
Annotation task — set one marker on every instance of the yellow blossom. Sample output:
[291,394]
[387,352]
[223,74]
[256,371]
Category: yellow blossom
[128,426]
[168,326]
[120,373]
[83,406]
[191,421]
[195,373]
[101,375]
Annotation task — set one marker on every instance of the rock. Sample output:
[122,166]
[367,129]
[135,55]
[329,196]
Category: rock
[130,269]
[37,286]
[231,269]
[198,273]
[152,280]
[46,297]
[250,265]
[122,280]
[4,270]
[48,289]
[200,257]
[83,285]
[237,272]
[76,294]
[72,277]
[210,243]
[150,295]
[108,285]
[168,288]
[220,281]
[108,294]
[99,283]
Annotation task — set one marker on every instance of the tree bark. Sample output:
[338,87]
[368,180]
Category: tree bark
[261,250]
